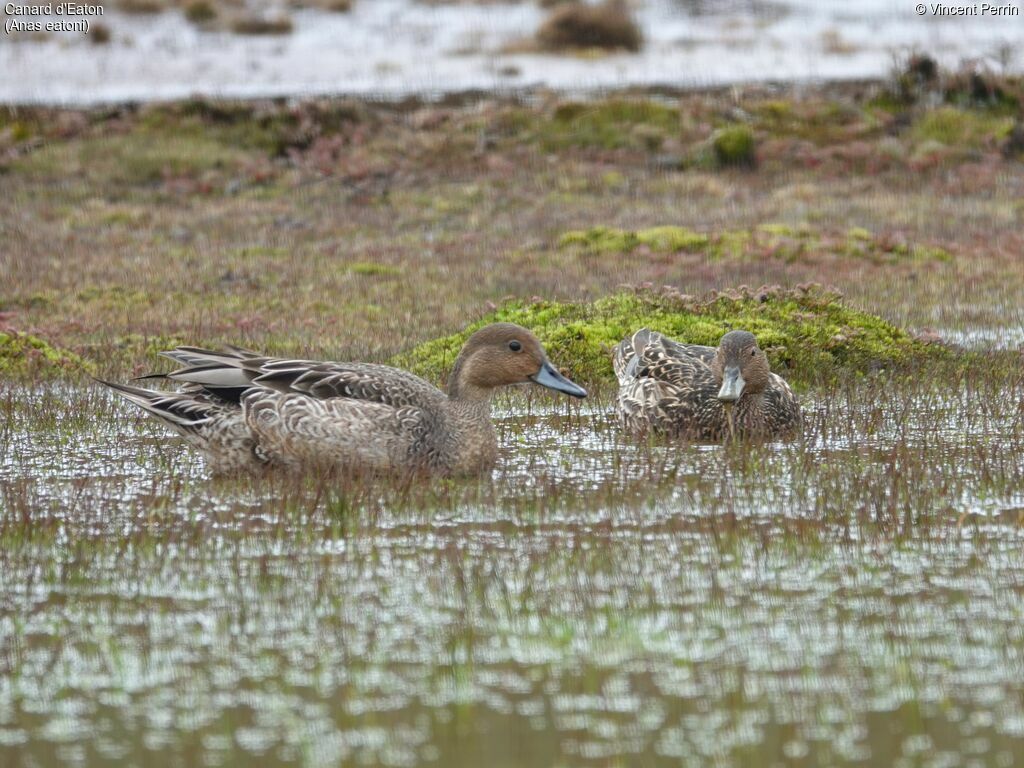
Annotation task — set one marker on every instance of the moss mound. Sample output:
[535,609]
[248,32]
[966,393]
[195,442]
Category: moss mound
[666,239]
[734,145]
[608,124]
[808,333]
[767,241]
[23,355]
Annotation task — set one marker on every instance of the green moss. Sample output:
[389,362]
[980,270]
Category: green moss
[20,132]
[251,125]
[373,269]
[148,346]
[967,128]
[230,124]
[735,145]
[810,335]
[610,124]
[768,241]
[114,297]
[260,252]
[25,356]
[668,239]
[180,140]
[779,230]
[135,158]
[822,123]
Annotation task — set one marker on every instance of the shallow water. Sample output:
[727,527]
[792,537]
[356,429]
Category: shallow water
[855,597]
[392,48]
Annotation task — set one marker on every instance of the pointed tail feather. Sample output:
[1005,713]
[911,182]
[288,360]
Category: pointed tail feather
[184,411]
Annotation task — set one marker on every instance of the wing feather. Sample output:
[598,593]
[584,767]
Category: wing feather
[235,368]
[661,381]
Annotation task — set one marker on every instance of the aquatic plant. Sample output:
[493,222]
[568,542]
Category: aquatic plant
[200,12]
[99,34]
[259,25]
[578,25]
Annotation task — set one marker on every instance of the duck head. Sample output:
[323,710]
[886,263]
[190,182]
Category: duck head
[740,367]
[502,354]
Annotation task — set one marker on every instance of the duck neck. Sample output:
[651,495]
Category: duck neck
[474,438]
[461,391]
[471,401]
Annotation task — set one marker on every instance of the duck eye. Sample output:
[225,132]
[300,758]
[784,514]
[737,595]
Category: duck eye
[753,353]
[515,346]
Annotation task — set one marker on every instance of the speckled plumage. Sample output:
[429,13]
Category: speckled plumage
[668,386]
[246,411]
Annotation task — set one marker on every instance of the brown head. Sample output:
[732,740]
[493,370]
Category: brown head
[740,367]
[501,354]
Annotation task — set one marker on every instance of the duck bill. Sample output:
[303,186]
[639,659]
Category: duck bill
[548,377]
[732,385]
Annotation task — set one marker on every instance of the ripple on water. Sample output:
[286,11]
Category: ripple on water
[594,600]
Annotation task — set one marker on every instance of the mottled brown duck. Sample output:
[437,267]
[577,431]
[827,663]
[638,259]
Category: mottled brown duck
[702,393]
[246,411]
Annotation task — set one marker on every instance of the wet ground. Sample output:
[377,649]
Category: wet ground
[392,48]
[854,597]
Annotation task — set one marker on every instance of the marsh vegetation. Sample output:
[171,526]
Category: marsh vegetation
[852,597]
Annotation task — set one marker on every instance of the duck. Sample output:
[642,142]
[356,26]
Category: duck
[702,393]
[248,412]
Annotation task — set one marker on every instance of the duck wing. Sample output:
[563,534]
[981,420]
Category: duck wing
[663,384]
[782,409]
[649,354]
[233,372]
[678,349]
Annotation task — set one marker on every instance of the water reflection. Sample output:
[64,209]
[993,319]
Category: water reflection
[852,597]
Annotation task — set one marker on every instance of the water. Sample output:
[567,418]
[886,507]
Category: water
[855,597]
[393,48]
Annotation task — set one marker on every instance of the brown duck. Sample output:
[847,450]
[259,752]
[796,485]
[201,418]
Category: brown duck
[246,411]
[702,393]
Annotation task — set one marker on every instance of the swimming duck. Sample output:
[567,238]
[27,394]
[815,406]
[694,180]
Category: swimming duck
[246,411]
[702,393]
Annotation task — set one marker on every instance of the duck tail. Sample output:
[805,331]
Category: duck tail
[628,353]
[185,412]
